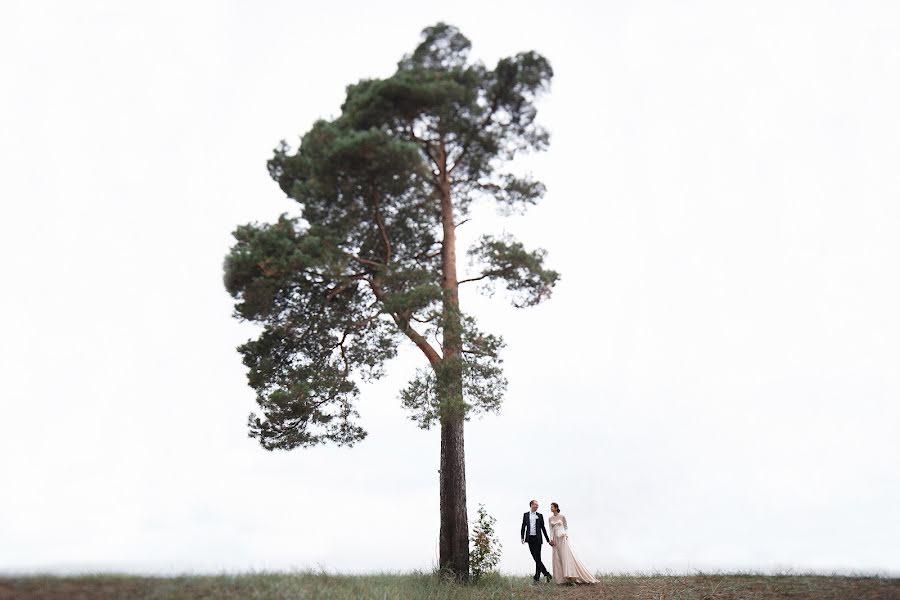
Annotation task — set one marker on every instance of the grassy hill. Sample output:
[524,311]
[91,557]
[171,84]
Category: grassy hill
[314,586]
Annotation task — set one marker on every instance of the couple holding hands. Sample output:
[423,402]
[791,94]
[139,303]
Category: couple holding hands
[566,567]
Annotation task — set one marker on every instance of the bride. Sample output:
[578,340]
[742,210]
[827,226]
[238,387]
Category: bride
[566,567]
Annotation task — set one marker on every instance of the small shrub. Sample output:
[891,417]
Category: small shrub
[485,553]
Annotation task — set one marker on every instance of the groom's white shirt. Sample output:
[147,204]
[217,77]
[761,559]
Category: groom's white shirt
[532,523]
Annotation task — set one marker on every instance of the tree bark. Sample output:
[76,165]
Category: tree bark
[454,533]
[454,536]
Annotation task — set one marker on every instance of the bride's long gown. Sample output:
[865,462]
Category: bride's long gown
[566,566]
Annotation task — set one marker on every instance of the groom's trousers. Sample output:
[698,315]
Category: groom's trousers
[534,544]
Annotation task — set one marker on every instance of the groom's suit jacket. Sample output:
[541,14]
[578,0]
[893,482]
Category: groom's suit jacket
[538,526]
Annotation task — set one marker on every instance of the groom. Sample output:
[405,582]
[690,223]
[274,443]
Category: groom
[533,526]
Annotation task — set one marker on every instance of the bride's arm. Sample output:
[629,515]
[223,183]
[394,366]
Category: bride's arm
[566,525]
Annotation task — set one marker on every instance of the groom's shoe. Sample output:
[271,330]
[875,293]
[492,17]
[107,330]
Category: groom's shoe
[548,577]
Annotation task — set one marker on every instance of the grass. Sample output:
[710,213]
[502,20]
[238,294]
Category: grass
[305,585]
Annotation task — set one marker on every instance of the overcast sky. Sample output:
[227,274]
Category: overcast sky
[713,385]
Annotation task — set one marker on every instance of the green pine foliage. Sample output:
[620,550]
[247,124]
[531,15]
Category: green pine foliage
[363,267]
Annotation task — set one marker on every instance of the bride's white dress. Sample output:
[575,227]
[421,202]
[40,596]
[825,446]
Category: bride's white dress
[566,566]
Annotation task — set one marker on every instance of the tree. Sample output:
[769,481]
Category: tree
[486,548]
[373,259]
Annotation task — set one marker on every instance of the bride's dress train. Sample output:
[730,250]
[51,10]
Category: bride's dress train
[566,566]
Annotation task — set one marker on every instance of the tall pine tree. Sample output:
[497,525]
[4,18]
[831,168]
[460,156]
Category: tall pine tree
[372,259]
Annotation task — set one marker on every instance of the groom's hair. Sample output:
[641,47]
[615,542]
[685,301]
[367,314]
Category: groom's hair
[532,502]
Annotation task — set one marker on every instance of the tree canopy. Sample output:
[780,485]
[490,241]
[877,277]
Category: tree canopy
[339,288]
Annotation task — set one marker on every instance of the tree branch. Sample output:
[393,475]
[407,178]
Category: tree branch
[468,142]
[343,286]
[379,221]
[477,278]
[347,331]
[426,254]
[431,320]
[488,354]
[417,338]
[365,261]
[344,356]
[426,144]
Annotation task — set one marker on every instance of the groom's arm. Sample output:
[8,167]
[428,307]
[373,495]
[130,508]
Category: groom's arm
[543,529]
[524,527]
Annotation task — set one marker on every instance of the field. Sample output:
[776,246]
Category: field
[302,585]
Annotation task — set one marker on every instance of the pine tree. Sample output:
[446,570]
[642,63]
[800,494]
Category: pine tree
[486,548]
[372,259]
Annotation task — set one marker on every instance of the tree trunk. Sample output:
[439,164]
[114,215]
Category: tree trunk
[454,535]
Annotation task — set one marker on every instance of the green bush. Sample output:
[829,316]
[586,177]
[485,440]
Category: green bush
[484,555]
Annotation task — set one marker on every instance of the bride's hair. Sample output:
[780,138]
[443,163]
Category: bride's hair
[556,505]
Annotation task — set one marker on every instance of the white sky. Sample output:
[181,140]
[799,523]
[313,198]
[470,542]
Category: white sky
[714,384]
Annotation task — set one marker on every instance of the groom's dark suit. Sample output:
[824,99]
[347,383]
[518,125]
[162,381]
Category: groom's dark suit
[535,541]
